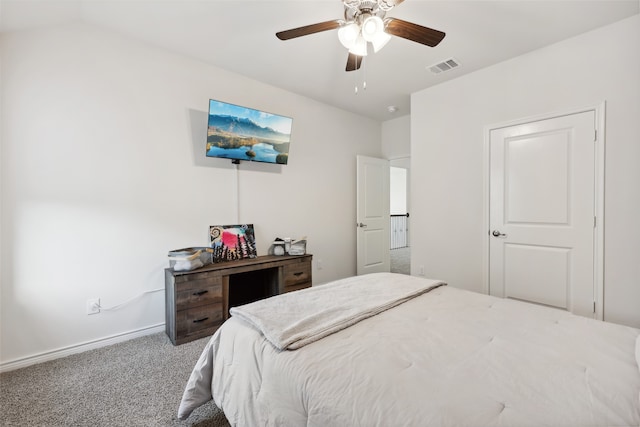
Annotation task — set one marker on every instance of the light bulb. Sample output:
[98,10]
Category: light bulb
[371,27]
[359,47]
[348,34]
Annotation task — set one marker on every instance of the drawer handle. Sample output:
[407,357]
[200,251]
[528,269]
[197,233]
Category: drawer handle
[299,273]
[198,294]
[200,320]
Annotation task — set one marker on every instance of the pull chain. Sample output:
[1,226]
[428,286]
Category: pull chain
[355,74]
[364,72]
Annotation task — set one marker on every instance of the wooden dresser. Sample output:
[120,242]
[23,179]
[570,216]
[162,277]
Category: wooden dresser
[198,301]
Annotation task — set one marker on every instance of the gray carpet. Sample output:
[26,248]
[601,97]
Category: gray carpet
[134,383]
[401,260]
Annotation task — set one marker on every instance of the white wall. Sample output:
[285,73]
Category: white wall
[398,189]
[447,140]
[396,140]
[103,172]
[396,147]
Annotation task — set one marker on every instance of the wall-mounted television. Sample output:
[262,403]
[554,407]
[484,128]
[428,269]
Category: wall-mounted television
[242,133]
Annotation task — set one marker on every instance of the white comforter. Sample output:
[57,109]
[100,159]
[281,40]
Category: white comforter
[294,320]
[445,358]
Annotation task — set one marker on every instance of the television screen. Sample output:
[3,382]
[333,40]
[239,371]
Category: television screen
[241,133]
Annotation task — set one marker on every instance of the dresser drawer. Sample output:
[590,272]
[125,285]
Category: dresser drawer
[297,274]
[183,279]
[198,295]
[197,280]
[197,319]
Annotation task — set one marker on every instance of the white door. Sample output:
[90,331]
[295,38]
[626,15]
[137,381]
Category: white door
[372,215]
[542,212]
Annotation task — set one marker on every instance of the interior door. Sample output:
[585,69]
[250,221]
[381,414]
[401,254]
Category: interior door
[542,212]
[372,215]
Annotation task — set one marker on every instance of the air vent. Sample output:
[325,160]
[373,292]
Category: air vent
[443,66]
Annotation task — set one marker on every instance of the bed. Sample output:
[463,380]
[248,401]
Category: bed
[388,349]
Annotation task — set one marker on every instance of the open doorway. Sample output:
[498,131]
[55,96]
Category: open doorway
[400,250]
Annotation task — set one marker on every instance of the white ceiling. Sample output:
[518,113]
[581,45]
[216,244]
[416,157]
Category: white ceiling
[239,36]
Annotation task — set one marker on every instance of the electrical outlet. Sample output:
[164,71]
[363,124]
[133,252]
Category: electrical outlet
[93,306]
[421,273]
[319,264]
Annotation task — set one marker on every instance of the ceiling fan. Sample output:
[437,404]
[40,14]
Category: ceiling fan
[365,22]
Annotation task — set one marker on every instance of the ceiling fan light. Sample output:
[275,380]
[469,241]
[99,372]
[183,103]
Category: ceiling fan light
[371,27]
[380,41]
[348,34]
[359,48]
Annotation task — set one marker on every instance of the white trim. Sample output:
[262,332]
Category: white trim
[599,209]
[79,348]
[486,165]
[546,116]
[599,166]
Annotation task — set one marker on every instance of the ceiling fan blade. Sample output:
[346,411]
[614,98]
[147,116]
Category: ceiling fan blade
[353,62]
[308,29]
[414,32]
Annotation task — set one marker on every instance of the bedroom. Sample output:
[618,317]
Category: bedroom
[91,210]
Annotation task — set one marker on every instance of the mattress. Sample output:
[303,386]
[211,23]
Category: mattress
[447,357]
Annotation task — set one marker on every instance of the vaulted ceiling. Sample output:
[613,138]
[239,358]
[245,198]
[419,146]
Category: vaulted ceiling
[239,36]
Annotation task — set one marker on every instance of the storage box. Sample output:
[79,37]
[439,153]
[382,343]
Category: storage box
[298,247]
[187,258]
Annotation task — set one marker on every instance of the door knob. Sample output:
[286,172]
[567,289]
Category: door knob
[361,225]
[496,233]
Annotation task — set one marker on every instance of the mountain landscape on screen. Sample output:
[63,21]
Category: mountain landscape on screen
[246,127]
[241,133]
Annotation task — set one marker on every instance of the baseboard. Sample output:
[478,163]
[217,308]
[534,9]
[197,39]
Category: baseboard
[79,348]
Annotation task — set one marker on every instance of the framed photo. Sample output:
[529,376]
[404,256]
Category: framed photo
[232,242]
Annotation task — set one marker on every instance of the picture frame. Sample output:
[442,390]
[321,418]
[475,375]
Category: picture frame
[232,242]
